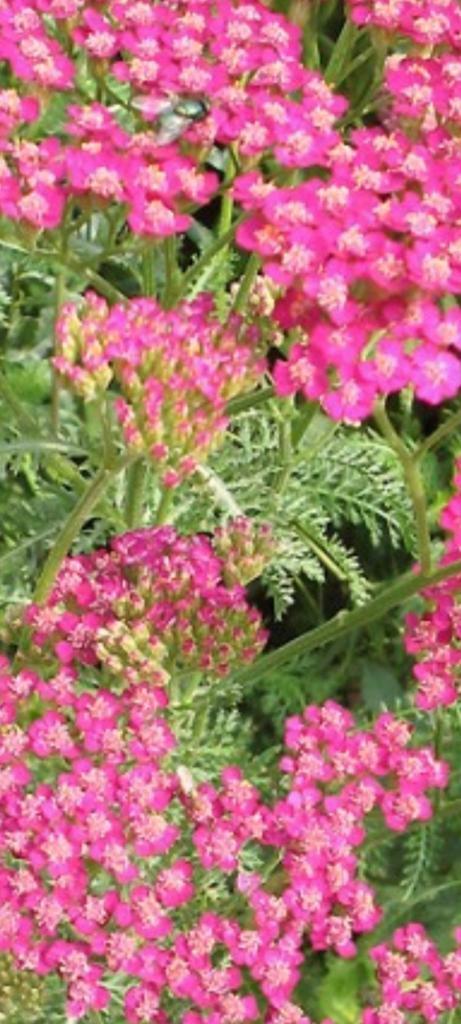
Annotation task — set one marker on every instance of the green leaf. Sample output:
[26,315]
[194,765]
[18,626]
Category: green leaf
[342,991]
[379,686]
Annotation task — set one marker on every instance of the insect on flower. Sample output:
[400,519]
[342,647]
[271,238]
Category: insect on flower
[172,115]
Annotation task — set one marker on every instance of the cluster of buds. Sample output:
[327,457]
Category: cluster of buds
[245,548]
[154,602]
[176,371]
[21,994]
[80,348]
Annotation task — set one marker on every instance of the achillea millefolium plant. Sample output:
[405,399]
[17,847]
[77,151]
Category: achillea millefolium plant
[230,489]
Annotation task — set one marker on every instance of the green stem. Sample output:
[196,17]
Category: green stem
[79,515]
[414,484]
[286,457]
[227,205]
[135,493]
[104,287]
[244,402]
[320,552]
[148,269]
[164,506]
[172,272]
[439,435]
[246,284]
[340,625]
[60,291]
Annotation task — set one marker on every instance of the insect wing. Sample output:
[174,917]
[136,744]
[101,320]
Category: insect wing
[170,127]
[153,108]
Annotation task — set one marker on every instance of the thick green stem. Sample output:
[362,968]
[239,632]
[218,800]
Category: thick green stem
[342,624]
[246,284]
[414,484]
[79,515]
[148,271]
[164,506]
[135,493]
[250,401]
[172,272]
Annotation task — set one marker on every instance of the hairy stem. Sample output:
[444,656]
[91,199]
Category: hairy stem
[414,484]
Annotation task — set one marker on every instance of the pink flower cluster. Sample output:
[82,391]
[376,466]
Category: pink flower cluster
[154,601]
[434,636]
[338,774]
[103,844]
[243,60]
[434,23]
[363,260]
[176,371]
[416,980]
[426,92]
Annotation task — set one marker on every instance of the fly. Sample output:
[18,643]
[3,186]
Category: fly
[173,116]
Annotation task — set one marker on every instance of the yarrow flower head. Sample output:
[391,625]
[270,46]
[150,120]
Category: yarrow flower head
[154,601]
[434,635]
[415,978]
[434,23]
[362,262]
[176,370]
[195,76]
[93,870]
